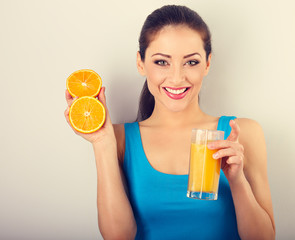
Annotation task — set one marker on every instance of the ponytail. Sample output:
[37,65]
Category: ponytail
[146,104]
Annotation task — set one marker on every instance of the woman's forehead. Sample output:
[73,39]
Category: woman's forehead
[176,39]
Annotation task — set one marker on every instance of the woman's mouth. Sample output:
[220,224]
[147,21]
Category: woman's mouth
[176,93]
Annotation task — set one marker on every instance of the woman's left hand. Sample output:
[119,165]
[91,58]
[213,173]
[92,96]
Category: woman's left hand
[231,152]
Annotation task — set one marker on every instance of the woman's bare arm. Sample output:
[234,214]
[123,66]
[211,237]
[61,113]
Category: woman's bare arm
[245,167]
[115,215]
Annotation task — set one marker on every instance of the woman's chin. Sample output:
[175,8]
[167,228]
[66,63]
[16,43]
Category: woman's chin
[177,107]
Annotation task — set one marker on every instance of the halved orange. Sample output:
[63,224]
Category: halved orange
[87,114]
[85,82]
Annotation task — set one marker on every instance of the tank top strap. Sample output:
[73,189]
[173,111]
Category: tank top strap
[223,125]
[133,147]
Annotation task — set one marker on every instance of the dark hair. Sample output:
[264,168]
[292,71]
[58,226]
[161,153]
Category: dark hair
[165,16]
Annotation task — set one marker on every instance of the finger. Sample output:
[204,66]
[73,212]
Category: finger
[228,152]
[219,144]
[102,99]
[101,96]
[66,113]
[235,160]
[235,131]
[224,145]
[69,98]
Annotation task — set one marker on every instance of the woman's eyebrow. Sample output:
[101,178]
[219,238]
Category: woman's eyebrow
[168,56]
[162,54]
[192,54]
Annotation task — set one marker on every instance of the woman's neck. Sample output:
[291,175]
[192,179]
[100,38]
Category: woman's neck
[162,116]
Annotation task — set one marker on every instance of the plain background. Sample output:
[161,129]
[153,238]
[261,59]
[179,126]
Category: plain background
[47,173]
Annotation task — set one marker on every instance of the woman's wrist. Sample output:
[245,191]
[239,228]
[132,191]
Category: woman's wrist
[107,146]
[104,139]
[237,182]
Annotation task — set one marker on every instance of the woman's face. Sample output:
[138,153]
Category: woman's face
[175,64]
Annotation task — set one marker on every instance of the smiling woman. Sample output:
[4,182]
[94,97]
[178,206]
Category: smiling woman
[142,167]
[156,22]
[174,69]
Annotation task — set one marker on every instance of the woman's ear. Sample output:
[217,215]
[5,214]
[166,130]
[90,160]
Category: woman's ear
[208,64]
[140,65]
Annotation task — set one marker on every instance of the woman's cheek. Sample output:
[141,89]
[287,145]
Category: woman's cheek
[156,76]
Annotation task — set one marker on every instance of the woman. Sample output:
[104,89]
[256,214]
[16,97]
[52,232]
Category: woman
[142,167]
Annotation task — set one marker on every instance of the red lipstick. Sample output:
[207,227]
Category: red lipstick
[176,93]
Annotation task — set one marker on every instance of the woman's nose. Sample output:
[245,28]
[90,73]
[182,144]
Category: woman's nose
[177,74]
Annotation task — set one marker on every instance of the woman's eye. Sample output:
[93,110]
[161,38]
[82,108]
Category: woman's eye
[161,63]
[192,62]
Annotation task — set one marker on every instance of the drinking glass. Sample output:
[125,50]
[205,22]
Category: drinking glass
[204,170]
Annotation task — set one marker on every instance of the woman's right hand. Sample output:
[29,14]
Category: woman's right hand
[105,133]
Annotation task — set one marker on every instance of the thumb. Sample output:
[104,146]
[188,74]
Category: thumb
[235,131]
[102,98]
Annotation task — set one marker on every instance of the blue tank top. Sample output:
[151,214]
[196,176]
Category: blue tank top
[159,202]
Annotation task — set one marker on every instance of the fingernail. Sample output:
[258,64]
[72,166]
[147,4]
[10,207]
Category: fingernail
[215,155]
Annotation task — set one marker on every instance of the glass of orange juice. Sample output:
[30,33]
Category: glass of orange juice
[204,170]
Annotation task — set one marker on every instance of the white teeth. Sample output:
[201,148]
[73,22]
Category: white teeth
[178,91]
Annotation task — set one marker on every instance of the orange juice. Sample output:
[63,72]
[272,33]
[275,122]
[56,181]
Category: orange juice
[204,170]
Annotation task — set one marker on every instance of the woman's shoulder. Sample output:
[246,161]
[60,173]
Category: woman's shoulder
[249,129]
[249,126]
[252,138]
